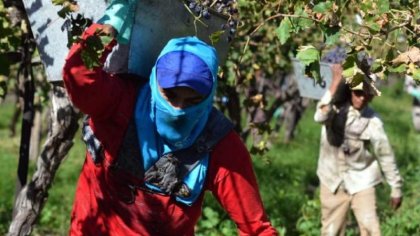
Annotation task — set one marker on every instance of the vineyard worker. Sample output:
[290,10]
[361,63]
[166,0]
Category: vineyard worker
[347,170]
[414,90]
[137,132]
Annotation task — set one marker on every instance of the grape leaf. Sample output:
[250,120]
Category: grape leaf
[301,23]
[357,78]
[59,2]
[376,66]
[283,31]
[332,35]
[399,69]
[416,74]
[349,67]
[63,12]
[89,59]
[373,27]
[314,71]
[383,6]
[308,54]
[106,39]
[215,37]
[322,7]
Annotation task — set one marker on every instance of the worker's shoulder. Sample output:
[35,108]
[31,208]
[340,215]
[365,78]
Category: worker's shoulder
[373,116]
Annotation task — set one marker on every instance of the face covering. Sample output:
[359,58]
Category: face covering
[178,127]
[162,128]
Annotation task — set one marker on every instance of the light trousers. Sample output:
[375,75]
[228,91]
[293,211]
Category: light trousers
[335,207]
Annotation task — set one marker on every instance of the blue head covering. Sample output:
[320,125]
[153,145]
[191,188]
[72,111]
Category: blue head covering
[182,68]
[162,128]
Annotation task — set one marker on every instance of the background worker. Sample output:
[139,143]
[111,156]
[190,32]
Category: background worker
[348,171]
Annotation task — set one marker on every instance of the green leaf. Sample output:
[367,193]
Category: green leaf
[349,66]
[322,7]
[399,69]
[308,54]
[5,65]
[211,218]
[332,35]
[349,72]
[59,2]
[357,78]
[106,39]
[283,31]
[373,26]
[376,66]
[301,23]
[416,74]
[215,37]
[313,71]
[90,59]
[383,6]
[63,12]
[94,43]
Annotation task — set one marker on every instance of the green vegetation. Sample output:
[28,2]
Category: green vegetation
[286,175]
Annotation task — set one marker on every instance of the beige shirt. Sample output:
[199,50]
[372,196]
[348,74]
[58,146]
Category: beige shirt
[356,163]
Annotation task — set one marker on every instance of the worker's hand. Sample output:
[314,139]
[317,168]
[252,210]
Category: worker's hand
[396,202]
[121,15]
[337,71]
[108,29]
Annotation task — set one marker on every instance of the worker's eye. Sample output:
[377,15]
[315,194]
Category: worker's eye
[195,100]
[169,94]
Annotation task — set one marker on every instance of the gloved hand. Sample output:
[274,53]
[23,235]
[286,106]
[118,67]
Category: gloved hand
[120,14]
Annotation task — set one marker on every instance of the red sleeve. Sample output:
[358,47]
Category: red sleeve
[93,91]
[233,183]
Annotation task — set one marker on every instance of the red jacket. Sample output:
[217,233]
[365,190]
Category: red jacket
[100,206]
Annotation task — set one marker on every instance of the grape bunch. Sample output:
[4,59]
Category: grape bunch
[364,61]
[225,7]
[336,56]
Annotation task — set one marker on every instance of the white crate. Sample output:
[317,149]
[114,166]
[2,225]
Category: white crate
[156,22]
[51,34]
[307,86]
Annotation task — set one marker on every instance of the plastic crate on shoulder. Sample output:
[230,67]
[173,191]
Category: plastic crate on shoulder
[156,22]
[308,86]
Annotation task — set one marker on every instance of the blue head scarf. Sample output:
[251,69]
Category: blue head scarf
[162,128]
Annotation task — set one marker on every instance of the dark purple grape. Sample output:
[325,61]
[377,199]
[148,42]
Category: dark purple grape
[201,9]
[336,55]
[206,13]
[198,9]
[361,55]
[369,61]
[192,5]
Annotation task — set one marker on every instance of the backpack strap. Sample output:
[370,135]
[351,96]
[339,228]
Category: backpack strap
[93,145]
[129,155]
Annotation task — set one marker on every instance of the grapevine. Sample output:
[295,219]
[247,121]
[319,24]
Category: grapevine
[204,8]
